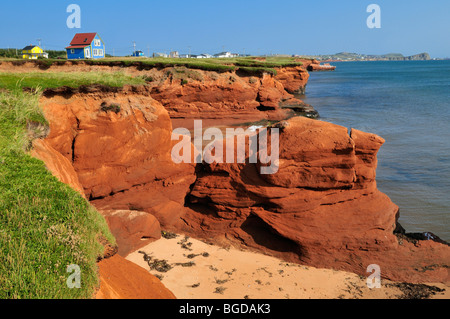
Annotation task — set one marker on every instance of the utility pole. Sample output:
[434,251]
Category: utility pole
[134,46]
[189,51]
[39,40]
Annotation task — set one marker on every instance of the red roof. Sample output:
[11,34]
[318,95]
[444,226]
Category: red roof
[83,39]
[77,46]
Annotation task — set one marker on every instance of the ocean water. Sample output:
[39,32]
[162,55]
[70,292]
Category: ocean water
[408,104]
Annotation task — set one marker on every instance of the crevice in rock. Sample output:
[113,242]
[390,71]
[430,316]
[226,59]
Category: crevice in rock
[265,236]
[74,140]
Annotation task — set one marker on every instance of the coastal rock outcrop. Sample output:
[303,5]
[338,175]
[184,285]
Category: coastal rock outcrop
[122,279]
[132,229]
[321,67]
[227,97]
[294,79]
[321,208]
[118,142]
[57,164]
[231,96]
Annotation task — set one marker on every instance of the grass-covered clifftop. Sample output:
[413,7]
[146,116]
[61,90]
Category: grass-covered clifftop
[45,226]
[11,81]
[247,64]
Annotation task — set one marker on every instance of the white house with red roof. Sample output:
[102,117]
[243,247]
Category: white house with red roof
[86,46]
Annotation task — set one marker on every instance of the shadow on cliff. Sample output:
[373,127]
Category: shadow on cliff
[267,237]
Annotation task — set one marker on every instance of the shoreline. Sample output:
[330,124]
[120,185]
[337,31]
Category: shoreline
[410,185]
[266,213]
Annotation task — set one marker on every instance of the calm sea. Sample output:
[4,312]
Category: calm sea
[408,104]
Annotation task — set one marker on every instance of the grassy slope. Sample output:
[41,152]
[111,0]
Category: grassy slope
[44,224]
[57,79]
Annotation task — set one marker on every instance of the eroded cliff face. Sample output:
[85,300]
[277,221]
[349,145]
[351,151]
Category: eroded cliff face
[232,96]
[110,144]
[294,79]
[122,279]
[119,142]
[217,97]
[321,208]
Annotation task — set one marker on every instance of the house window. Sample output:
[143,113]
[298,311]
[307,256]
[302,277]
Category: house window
[72,51]
[97,42]
[97,52]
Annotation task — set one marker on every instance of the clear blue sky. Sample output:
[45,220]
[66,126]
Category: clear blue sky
[256,26]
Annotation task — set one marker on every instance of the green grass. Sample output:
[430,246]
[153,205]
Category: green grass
[146,64]
[249,65]
[45,226]
[11,53]
[73,79]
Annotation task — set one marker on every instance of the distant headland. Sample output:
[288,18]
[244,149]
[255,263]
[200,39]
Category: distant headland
[346,56]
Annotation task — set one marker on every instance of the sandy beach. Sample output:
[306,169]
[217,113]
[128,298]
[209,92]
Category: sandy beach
[193,269]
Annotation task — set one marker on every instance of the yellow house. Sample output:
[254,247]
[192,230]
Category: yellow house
[33,52]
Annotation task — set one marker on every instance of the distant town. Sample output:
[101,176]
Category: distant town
[345,56]
[92,46]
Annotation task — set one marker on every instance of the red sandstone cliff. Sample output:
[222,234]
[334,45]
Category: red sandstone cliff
[114,144]
[232,95]
[321,208]
[215,97]
[119,142]
[122,279]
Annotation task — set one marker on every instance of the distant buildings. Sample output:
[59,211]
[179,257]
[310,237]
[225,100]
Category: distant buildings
[138,53]
[33,52]
[160,55]
[226,55]
[86,46]
[204,56]
[174,54]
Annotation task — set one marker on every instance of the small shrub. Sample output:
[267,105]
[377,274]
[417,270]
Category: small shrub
[148,78]
[112,107]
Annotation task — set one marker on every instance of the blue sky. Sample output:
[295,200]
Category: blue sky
[256,27]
